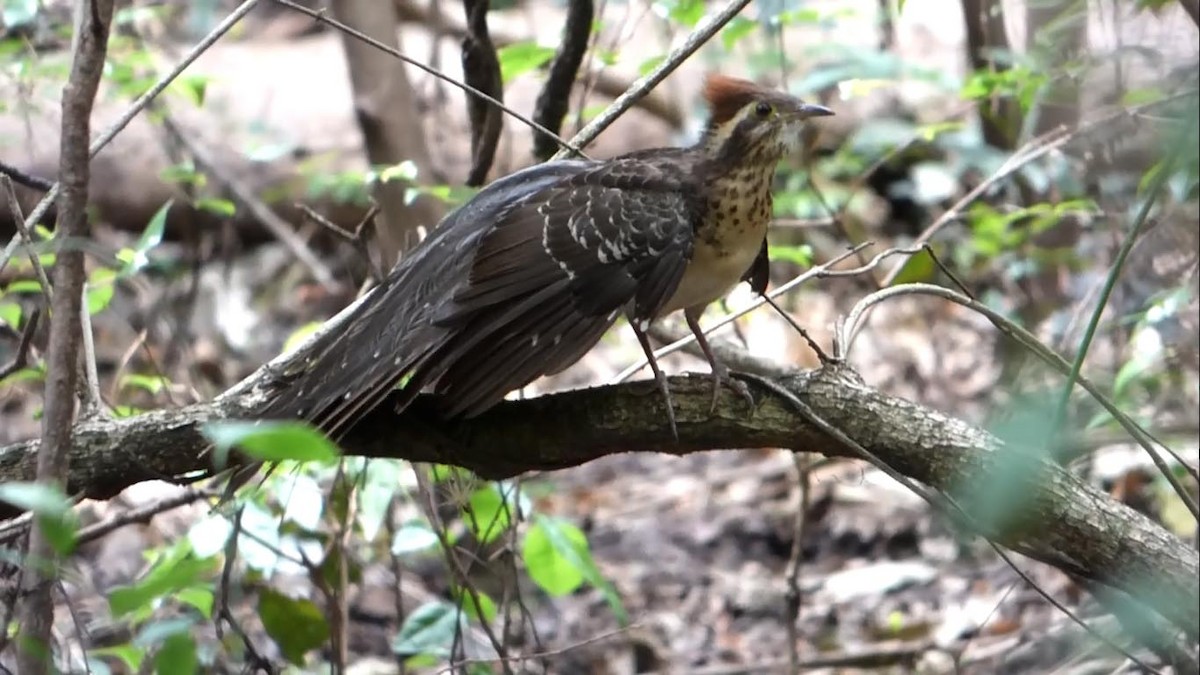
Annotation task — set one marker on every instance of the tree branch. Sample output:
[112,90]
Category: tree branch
[1075,527]
[39,573]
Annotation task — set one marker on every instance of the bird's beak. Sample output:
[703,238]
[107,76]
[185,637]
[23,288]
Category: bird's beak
[807,110]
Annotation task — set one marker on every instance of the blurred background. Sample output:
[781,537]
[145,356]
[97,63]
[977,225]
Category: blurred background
[1020,139]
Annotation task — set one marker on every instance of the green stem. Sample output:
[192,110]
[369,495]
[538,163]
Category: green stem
[1157,182]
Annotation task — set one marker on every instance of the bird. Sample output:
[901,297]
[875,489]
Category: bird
[524,278]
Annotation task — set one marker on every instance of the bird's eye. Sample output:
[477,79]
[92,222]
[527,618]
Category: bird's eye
[763,109]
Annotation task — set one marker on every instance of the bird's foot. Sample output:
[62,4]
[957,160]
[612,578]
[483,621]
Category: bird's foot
[665,389]
[721,376]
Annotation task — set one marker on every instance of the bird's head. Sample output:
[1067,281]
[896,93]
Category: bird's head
[751,123]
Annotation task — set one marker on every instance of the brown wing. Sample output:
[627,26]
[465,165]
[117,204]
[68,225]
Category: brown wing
[557,271]
[392,333]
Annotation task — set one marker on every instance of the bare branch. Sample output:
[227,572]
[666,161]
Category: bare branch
[36,612]
[705,32]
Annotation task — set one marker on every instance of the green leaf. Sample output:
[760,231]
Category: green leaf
[176,569]
[200,597]
[151,383]
[100,288]
[301,334]
[30,286]
[381,482]
[60,531]
[687,12]
[522,57]
[128,654]
[155,633]
[150,238]
[489,514]
[486,611]
[412,538]
[177,656]
[270,441]
[296,625]
[918,268]
[560,554]
[647,66]
[738,28]
[10,313]
[218,206]
[797,255]
[192,87]
[430,629]
[183,174]
[17,12]
[404,171]
[42,500]
[554,551]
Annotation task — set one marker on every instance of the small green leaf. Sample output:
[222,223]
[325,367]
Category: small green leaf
[200,597]
[558,559]
[60,531]
[177,656]
[486,610]
[153,234]
[553,551]
[412,538]
[218,206]
[30,286]
[17,12]
[489,515]
[151,383]
[42,500]
[296,625]
[100,288]
[520,58]
[192,87]
[648,66]
[183,174]
[10,313]
[738,28]
[430,629]
[801,255]
[301,334]
[176,569]
[686,12]
[405,170]
[128,654]
[155,633]
[270,441]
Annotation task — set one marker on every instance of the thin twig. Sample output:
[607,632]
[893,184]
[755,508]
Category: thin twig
[320,16]
[1063,608]
[642,86]
[14,207]
[21,359]
[28,180]
[1153,190]
[356,239]
[261,212]
[92,403]
[847,330]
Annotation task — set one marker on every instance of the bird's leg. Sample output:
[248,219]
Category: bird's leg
[720,373]
[658,376]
